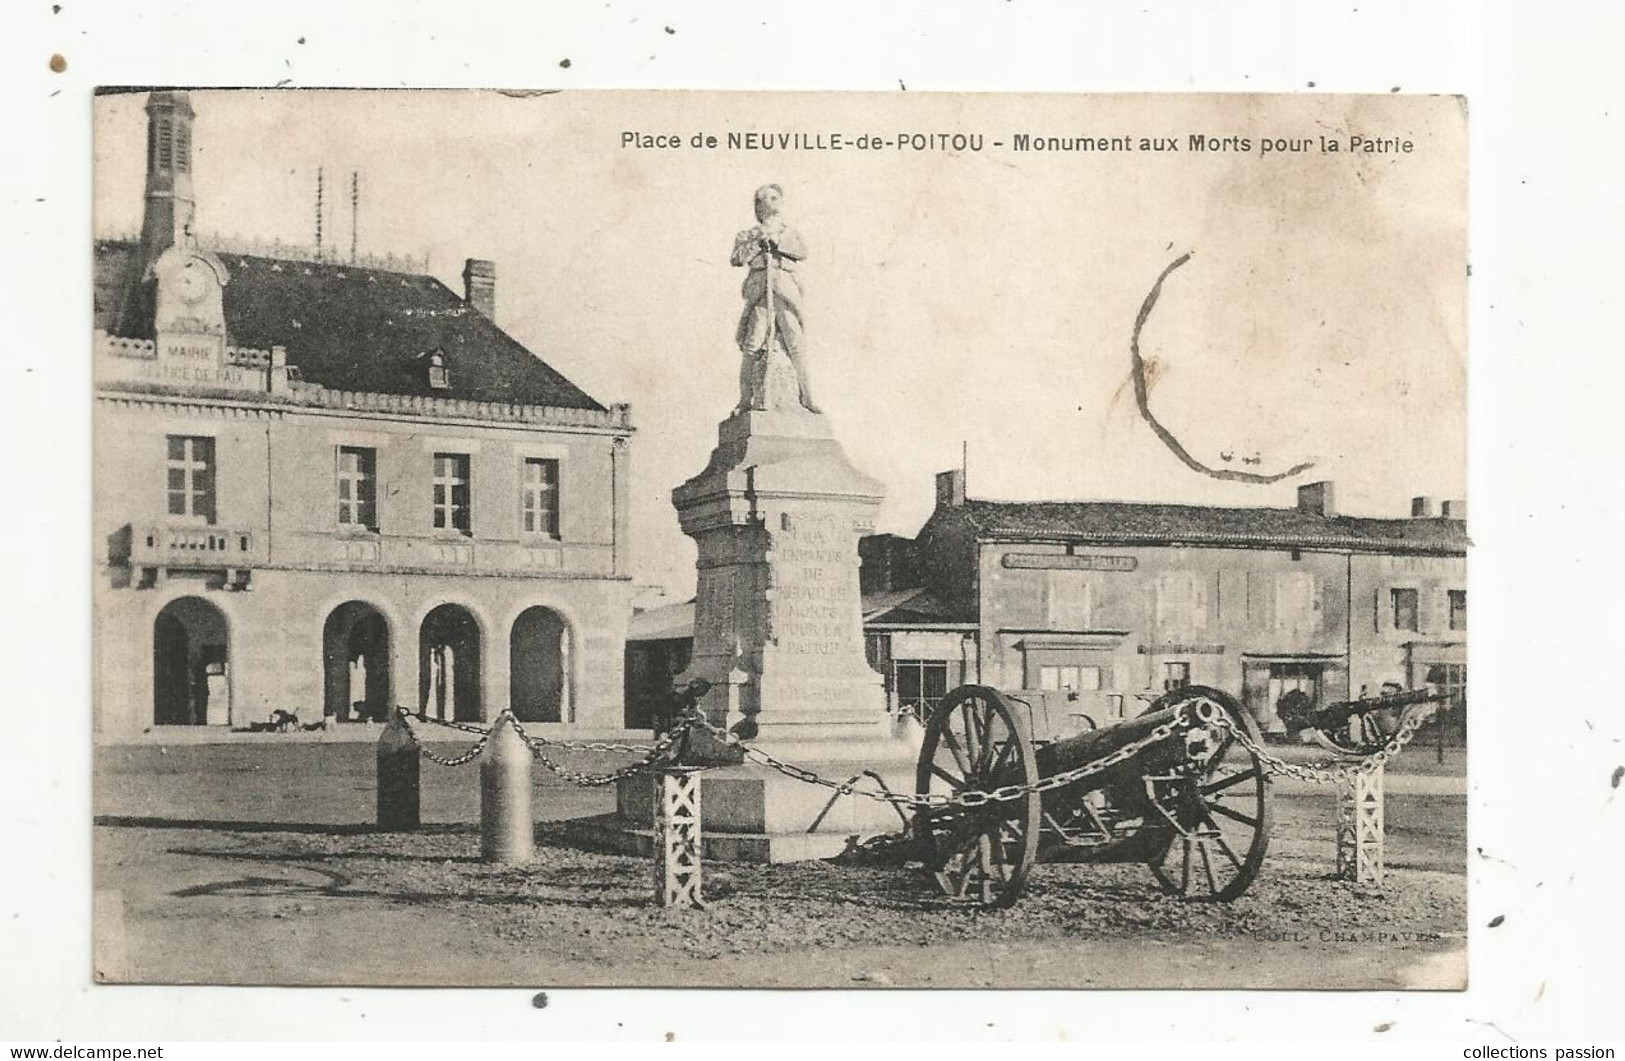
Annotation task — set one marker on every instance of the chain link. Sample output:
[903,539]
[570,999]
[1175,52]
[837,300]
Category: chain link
[656,754]
[652,755]
[468,756]
[570,745]
[1329,771]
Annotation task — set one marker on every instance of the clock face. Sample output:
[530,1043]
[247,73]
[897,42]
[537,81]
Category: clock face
[191,283]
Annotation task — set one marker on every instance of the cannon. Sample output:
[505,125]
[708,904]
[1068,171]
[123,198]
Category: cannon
[1358,727]
[1174,790]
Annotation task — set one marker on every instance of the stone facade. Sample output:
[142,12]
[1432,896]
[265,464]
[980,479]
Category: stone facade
[330,488]
[1111,603]
[1103,605]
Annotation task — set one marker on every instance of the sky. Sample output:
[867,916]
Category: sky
[983,299]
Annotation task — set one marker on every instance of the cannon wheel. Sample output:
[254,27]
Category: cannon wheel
[1222,816]
[975,741]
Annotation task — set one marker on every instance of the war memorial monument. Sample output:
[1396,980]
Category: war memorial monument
[778,636]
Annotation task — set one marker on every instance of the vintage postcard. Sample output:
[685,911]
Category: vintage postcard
[664,539]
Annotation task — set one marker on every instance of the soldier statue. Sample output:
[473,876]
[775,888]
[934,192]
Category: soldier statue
[772,315]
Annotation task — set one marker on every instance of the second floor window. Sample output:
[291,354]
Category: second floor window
[1296,601]
[358,487]
[1181,602]
[1458,609]
[539,497]
[451,492]
[1405,609]
[190,469]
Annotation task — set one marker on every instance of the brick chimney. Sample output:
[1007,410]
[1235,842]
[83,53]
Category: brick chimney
[1421,508]
[480,286]
[1454,509]
[1318,499]
[951,488]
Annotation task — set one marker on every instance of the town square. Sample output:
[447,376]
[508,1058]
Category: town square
[753,569]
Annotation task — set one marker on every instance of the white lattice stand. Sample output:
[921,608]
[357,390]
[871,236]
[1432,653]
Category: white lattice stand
[1360,827]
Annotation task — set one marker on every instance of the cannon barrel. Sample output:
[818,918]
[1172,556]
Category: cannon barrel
[1334,716]
[1072,752]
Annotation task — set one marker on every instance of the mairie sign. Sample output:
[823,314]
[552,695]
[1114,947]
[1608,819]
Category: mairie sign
[1070,562]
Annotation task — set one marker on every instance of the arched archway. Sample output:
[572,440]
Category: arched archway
[539,667]
[356,663]
[449,664]
[191,673]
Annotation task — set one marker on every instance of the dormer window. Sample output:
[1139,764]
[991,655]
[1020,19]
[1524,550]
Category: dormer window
[439,375]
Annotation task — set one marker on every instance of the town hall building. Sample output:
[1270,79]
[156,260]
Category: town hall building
[331,487]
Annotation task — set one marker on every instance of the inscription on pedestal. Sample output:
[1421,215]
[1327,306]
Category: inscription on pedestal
[816,615]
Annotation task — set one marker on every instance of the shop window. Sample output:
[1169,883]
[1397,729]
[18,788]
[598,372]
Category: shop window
[921,684]
[1175,675]
[1458,609]
[1072,679]
[1405,609]
[1449,678]
[877,650]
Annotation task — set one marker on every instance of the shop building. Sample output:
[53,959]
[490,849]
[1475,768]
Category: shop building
[1093,609]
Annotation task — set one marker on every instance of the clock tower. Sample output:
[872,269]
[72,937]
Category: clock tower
[170,203]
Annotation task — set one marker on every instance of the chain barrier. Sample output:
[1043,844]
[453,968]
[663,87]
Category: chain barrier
[652,755]
[1329,771]
[1207,712]
[973,798]
[656,755]
[467,757]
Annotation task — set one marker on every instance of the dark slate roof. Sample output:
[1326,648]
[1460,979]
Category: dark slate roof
[350,328]
[901,607]
[1130,522]
[667,623]
[116,280]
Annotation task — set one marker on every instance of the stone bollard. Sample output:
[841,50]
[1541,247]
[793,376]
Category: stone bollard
[677,837]
[398,791]
[1360,828]
[506,831]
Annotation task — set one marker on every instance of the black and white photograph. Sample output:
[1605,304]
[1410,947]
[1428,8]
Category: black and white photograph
[646,533]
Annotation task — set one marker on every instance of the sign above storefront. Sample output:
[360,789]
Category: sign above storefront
[1070,562]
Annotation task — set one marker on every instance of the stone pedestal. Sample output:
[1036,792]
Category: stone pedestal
[778,634]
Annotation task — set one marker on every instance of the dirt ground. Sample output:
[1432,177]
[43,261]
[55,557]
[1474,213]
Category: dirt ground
[255,864]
